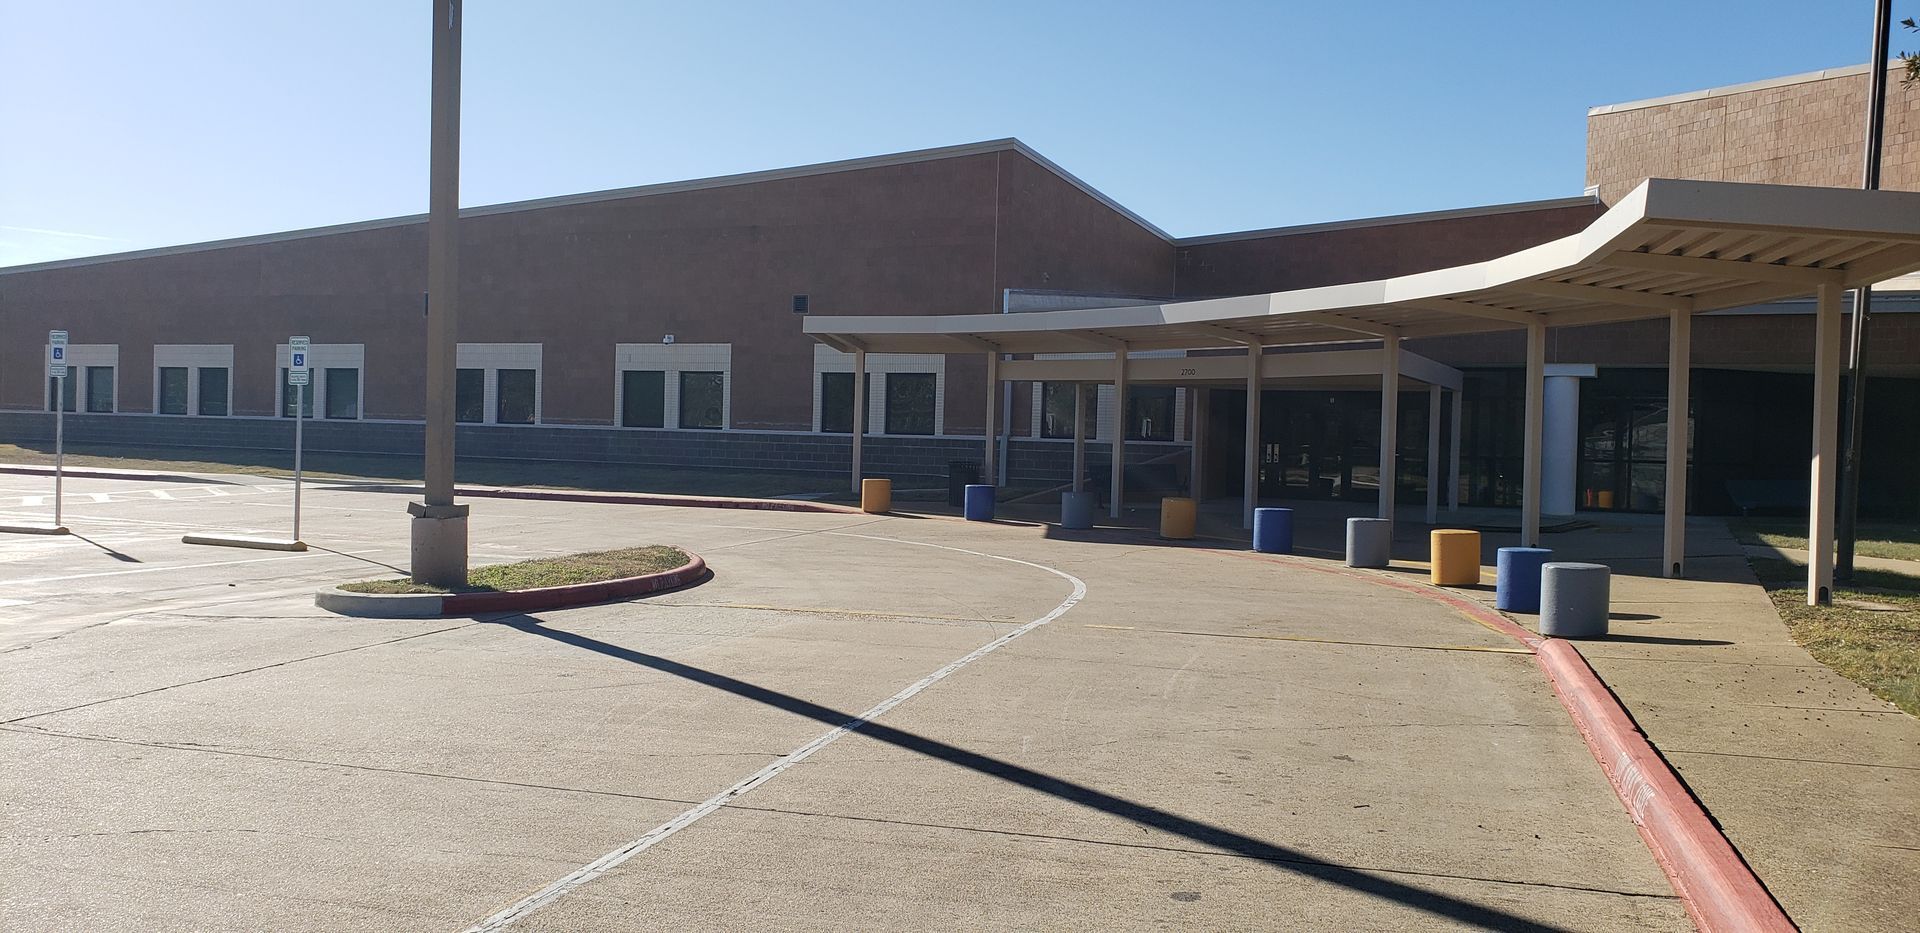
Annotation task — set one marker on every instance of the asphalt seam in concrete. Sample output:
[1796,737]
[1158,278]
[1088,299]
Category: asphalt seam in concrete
[1183,850]
[664,831]
[250,670]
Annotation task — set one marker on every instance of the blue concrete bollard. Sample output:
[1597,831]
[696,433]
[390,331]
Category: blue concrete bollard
[1076,510]
[1273,531]
[979,503]
[1573,600]
[1369,542]
[1517,578]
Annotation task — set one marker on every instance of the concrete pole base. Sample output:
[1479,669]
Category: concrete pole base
[439,544]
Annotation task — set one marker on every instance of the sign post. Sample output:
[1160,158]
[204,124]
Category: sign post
[57,368]
[298,375]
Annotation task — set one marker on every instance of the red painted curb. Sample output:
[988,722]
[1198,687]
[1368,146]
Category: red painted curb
[574,594]
[1720,891]
[643,498]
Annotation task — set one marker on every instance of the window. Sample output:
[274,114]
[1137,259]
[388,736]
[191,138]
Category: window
[100,388]
[1150,413]
[800,307]
[703,398]
[173,390]
[836,402]
[643,398]
[213,390]
[470,395]
[343,392]
[291,392]
[517,397]
[910,401]
[62,389]
[1056,410]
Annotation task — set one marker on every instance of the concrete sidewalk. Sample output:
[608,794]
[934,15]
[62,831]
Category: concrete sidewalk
[1815,780]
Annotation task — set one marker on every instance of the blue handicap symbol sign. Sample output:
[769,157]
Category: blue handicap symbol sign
[59,353]
[299,360]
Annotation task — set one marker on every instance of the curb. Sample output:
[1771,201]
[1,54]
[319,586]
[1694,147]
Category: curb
[99,473]
[1721,892]
[432,605]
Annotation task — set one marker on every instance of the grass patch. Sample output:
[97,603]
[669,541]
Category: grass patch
[1877,649]
[1892,540]
[542,474]
[546,571]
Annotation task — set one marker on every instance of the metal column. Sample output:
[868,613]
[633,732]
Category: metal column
[1828,343]
[1433,455]
[859,415]
[1531,431]
[1119,431]
[1453,458]
[1389,421]
[1673,550]
[988,474]
[1079,437]
[1251,493]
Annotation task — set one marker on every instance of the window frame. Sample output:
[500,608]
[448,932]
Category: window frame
[720,385]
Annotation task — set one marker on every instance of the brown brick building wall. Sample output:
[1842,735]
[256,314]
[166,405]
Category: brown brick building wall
[1804,130]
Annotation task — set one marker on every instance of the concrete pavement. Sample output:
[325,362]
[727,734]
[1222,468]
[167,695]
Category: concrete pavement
[1200,741]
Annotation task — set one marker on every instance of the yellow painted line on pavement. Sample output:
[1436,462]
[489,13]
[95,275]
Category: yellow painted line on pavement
[1309,638]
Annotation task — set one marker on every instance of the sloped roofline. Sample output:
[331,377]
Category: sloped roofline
[614,194]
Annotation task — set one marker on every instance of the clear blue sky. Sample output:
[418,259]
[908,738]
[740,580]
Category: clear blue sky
[131,124]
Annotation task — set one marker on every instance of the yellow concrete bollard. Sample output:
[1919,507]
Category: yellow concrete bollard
[1177,516]
[876,496]
[1455,557]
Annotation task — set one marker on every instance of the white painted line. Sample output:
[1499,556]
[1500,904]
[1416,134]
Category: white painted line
[100,496]
[163,494]
[658,834]
[217,563]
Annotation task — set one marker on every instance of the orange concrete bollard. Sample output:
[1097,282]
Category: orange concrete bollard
[1455,557]
[1177,518]
[876,496]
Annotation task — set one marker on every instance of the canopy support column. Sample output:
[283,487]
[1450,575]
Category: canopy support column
[1433,455]
[1827,345]
[1673,551]
[1079,437]
[859,412]
[1453,458]
[987,472]
[1196,421]
[1531,431]
[1250,492]
[1116,483]
[1389,421]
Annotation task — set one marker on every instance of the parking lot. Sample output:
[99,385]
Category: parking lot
[858,722]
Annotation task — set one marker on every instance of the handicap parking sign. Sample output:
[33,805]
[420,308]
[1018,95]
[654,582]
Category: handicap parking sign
[299,360]
[59,353]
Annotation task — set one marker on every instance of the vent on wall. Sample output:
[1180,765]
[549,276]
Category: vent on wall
[799,304]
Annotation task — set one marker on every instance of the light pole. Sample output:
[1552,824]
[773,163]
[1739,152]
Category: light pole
[1846,529]
[439,525]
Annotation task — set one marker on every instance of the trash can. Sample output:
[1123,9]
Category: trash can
[979,503]
[1273,531]
[876,496]
[960,475]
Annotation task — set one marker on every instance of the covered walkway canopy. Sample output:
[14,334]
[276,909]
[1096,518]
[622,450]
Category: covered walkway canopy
[1669,249]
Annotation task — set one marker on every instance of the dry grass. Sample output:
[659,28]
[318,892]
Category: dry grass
[1878,649]
[1892,540]
[547,571]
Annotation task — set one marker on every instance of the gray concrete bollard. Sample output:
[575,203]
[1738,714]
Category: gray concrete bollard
[1573,599]
[1076,510]
[1369,542]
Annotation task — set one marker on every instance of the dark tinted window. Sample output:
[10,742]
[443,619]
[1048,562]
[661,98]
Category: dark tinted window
[1056,410]
[517,395]
[343,393]
[213,390]
[173,390]
[643,399]
[1150,413]
[836,402]
[703,398]
[470,395]
[100,388]
[63,389]
[910,403]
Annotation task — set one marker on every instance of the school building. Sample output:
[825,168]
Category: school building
[667,324]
